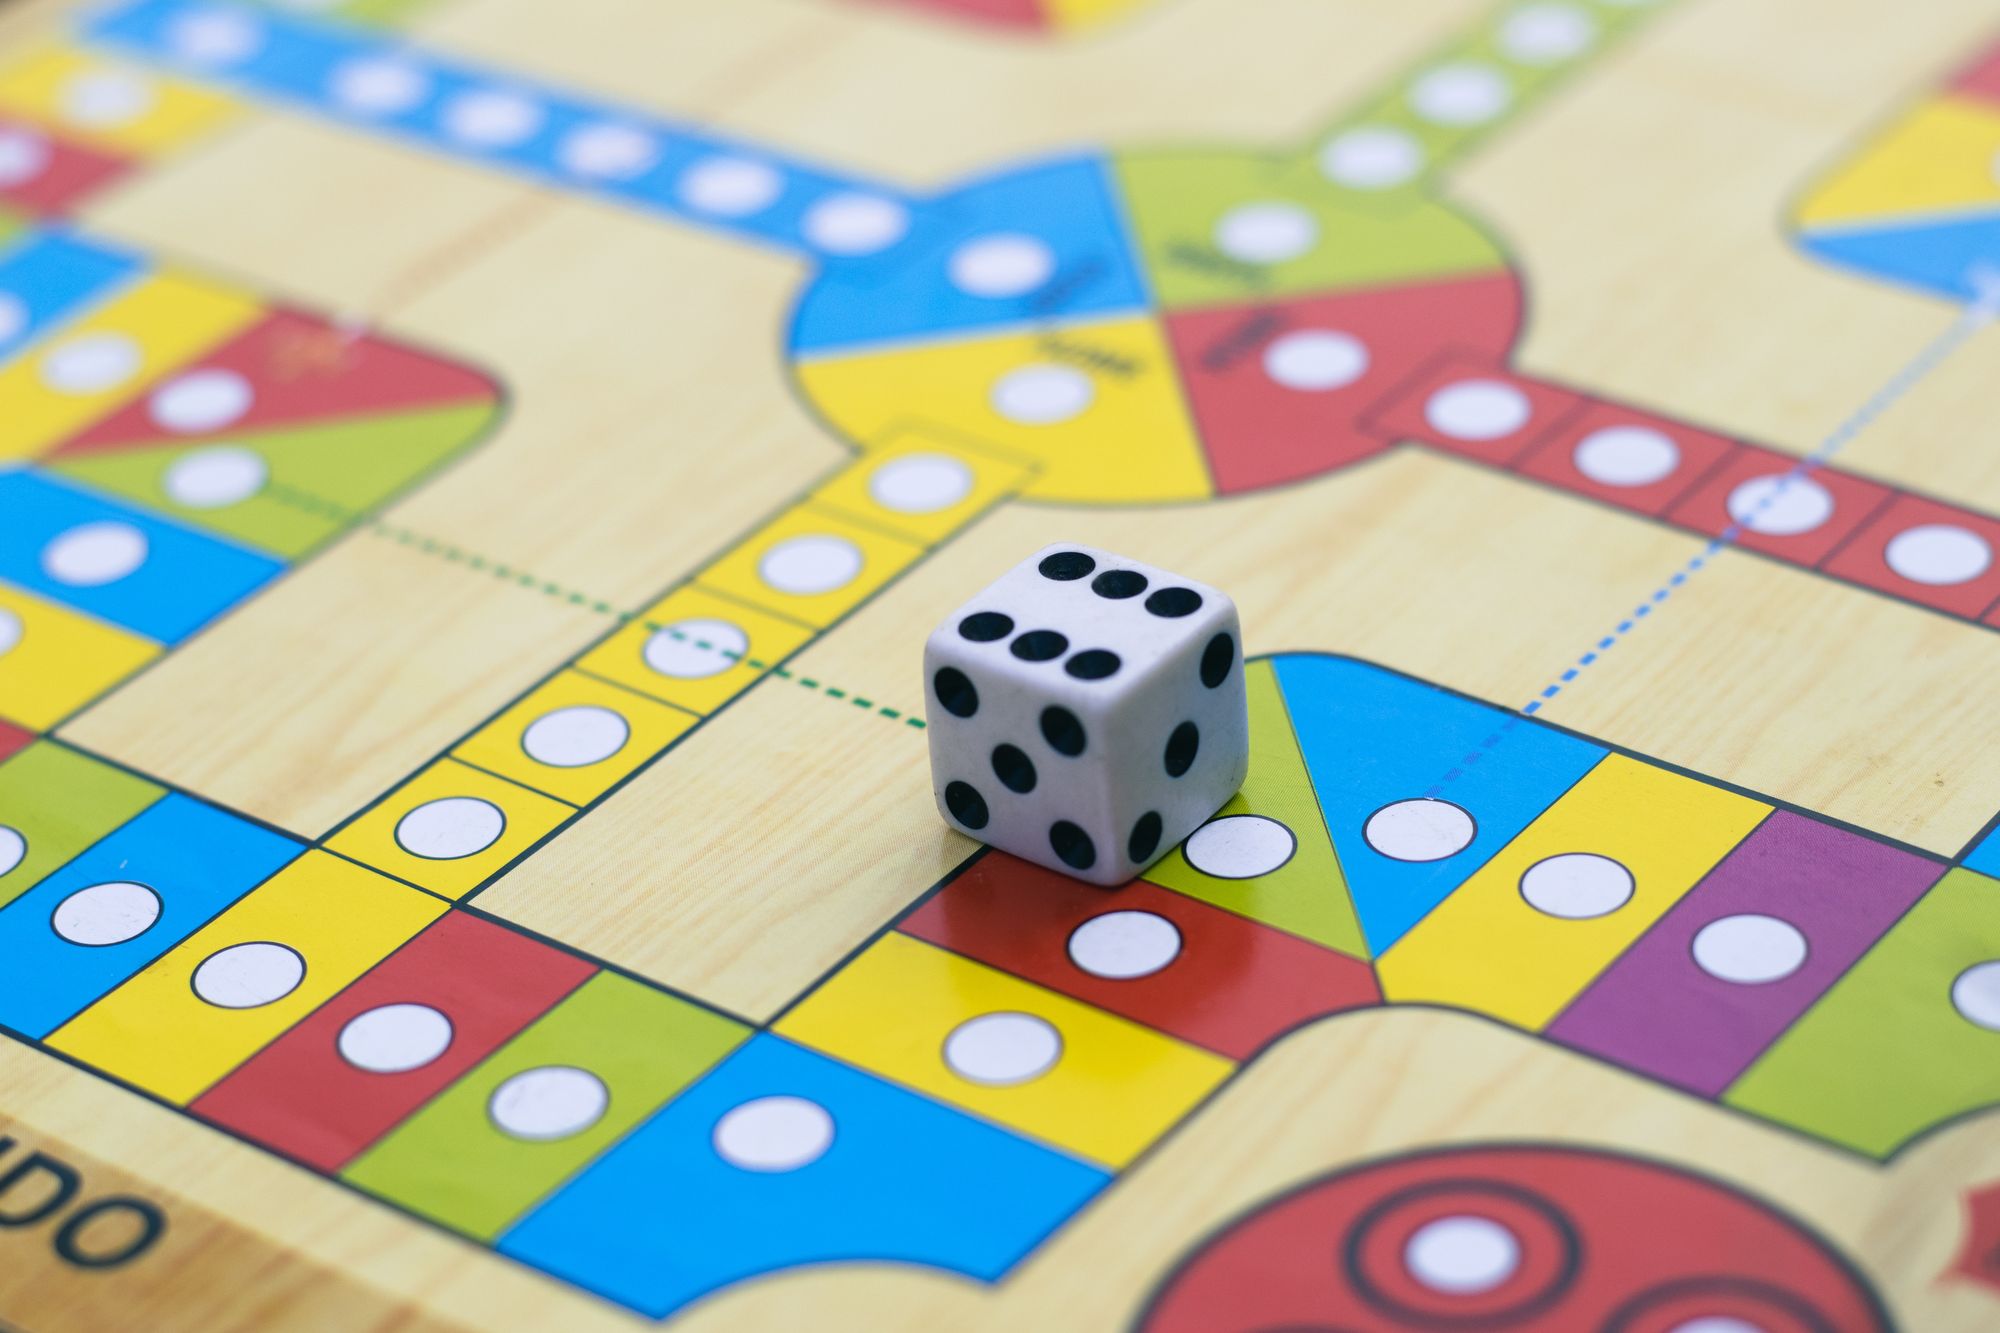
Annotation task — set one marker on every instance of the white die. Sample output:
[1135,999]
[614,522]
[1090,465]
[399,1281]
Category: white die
[1087,712]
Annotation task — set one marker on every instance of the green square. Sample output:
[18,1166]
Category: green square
[451,1162]
[323,477]
[59,803]
[1177,202]
[1885,1055]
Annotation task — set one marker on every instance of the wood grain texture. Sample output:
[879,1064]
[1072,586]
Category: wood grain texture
[652,419]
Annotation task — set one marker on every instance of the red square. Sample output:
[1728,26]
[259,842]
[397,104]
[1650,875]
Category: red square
[1811,514]
[302,1097]
[13,738]
[1927,552]
[1475,408]
[1231,984]
[1626,458]
[1982,77]
[60,174]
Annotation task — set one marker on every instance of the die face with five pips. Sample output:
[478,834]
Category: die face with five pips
[1087,712]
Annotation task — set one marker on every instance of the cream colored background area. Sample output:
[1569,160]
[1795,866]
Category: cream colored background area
[652,419]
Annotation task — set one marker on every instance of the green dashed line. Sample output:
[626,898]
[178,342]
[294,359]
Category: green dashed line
[446,551]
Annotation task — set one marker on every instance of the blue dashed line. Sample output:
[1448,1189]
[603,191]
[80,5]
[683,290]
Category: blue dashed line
[1974,317]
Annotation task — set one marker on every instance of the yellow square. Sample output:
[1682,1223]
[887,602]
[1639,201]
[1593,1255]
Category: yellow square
[695,649]
[934,1021]
[811,565]
[124,107]
[574,737]
[151,329]
[922,484]
[449,828]
[1556,906]
[60,660]
[219,996]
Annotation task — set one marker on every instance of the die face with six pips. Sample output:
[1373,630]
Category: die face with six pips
[1087,712]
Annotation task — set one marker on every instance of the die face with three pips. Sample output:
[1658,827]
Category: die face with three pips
[1087,712]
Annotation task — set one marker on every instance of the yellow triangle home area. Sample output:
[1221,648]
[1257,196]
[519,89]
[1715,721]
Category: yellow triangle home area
[1942,158]
[1098,405]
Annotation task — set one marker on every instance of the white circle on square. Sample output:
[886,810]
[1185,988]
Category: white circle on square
[1371,157]
[11,630]
[1003,1049]
[1008,263]
[394,1038]
[91,363]
[1462,1255]
[608,151]
[1749,949]
[851,225]
[1124,945]
[920,483]
[450,827]
[91,555]
[249,976]
[1577,886]
[730,187]
[1266,232]
[492,118]
[811,564]
[693,649]
[1477,409]
[107,99]
[1043,395]
[216,477]
[379,86]
[547,1103]
[24,155]
[1627,455]
[200,402]
[1547,33]
[106,913]
[1781,506]
[1458,95]
[1976,994]
[1316,360]
[215,38]
[14,316]
[575,737]
[1240,846]
[13,849]
[773,1134]
[1420,829]
[1938,554]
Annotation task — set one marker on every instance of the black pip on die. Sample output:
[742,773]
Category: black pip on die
[1087,712]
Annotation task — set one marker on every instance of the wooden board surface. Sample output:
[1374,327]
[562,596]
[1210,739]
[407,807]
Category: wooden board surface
[652,418]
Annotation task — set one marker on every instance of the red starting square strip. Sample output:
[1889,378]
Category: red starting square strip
[46,175]
[1196,972]
[377,1051]
[1800,520]
[1928,552]
[1475,408]
[1625,458]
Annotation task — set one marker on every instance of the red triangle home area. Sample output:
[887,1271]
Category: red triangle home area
[1279,389]
[1981,78]
[289,369]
